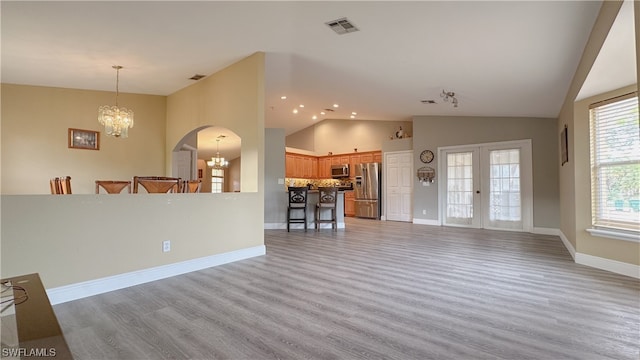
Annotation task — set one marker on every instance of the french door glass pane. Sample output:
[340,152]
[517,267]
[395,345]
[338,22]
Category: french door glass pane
[460,188]
[504,191]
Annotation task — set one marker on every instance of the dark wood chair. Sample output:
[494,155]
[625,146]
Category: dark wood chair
[297,204]
[113,186]
[191,186]
[327,199]
[157,184]
[60,185]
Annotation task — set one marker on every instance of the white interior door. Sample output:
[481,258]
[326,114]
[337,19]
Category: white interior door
[488,186]
[398,185]
[184,164]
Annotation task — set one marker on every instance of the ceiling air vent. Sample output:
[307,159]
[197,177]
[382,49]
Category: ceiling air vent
[428,101]
[196,77]
[341,26]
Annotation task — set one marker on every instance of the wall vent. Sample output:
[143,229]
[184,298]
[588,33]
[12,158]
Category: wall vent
[342,26]
[196,77]
[428,101]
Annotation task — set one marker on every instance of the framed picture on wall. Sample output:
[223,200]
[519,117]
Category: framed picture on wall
[84,139]
[564,145]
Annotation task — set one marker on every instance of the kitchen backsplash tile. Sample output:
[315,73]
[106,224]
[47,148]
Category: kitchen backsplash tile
[315,183]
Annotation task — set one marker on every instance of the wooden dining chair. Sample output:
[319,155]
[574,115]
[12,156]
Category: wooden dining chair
[113,186]
[60,185]
[191,186]
[157,184]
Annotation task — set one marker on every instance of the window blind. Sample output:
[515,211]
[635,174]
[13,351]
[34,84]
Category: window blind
[615,163]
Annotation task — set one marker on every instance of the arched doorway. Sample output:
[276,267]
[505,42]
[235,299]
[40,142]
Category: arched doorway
[193,158]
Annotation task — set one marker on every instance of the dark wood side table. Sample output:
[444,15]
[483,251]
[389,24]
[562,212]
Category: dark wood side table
[39,333]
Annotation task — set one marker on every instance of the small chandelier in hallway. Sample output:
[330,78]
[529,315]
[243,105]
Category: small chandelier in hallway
[218,162]
[116,120]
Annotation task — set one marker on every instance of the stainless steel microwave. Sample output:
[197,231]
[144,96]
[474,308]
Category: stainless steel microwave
[340,171]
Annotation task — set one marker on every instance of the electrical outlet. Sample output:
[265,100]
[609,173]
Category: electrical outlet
[424,212]
[166,246]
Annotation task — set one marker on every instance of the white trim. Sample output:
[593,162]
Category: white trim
[612,234]
[567,244]
[614,266]
[427,222]
[98,286]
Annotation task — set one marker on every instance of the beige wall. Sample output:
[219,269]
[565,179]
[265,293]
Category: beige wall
[35,121]
[575,192]
[619,250]
[234,99]
[75,238]
[342,136]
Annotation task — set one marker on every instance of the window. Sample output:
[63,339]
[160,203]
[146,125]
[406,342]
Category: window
[615,164]
[217,180]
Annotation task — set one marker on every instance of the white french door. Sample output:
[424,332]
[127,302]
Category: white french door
[487,186]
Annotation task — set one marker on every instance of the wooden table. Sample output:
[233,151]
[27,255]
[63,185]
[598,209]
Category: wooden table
[39,334]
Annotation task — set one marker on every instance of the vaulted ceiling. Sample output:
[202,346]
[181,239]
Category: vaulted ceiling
[502,58]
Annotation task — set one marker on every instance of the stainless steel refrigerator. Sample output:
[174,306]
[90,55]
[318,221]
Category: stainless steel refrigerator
[367,190]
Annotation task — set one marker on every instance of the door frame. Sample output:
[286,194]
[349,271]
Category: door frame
[526,184]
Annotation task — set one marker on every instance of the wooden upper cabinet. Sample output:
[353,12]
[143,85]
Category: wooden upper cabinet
[377,156]
[289,165]
[319,167]
[366,158]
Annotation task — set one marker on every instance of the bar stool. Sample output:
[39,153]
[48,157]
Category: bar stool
[327,199]
[297,202]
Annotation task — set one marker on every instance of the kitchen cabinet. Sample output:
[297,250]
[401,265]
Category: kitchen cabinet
[349,203]
[319,167]
[290,166]
[324,167]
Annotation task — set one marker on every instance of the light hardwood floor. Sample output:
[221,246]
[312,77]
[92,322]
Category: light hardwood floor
[378,290]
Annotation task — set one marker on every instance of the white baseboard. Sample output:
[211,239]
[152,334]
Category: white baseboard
[567,244]
[98,286]
[614,266]
[426,222]
[283,226]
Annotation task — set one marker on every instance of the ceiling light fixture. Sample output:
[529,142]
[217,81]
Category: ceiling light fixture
[295,111]
[116,121]
[283,97]
[336,105]
[218,162]
[450,96]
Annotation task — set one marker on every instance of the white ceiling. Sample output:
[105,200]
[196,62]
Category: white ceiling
[502,58]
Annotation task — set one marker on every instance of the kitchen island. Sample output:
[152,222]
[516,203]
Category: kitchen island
[312,200]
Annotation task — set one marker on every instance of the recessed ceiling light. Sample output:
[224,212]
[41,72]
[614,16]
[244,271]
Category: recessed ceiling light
[353,116]
[354,113]
[283,97]
[295,111]
[301,105]
[314,117]
[322,112]
[336,105]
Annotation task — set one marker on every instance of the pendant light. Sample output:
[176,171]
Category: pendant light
[116,120]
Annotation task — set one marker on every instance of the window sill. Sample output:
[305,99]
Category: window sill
[616,234]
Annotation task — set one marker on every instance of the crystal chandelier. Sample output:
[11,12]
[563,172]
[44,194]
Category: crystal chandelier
[116,121]
[218,162]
